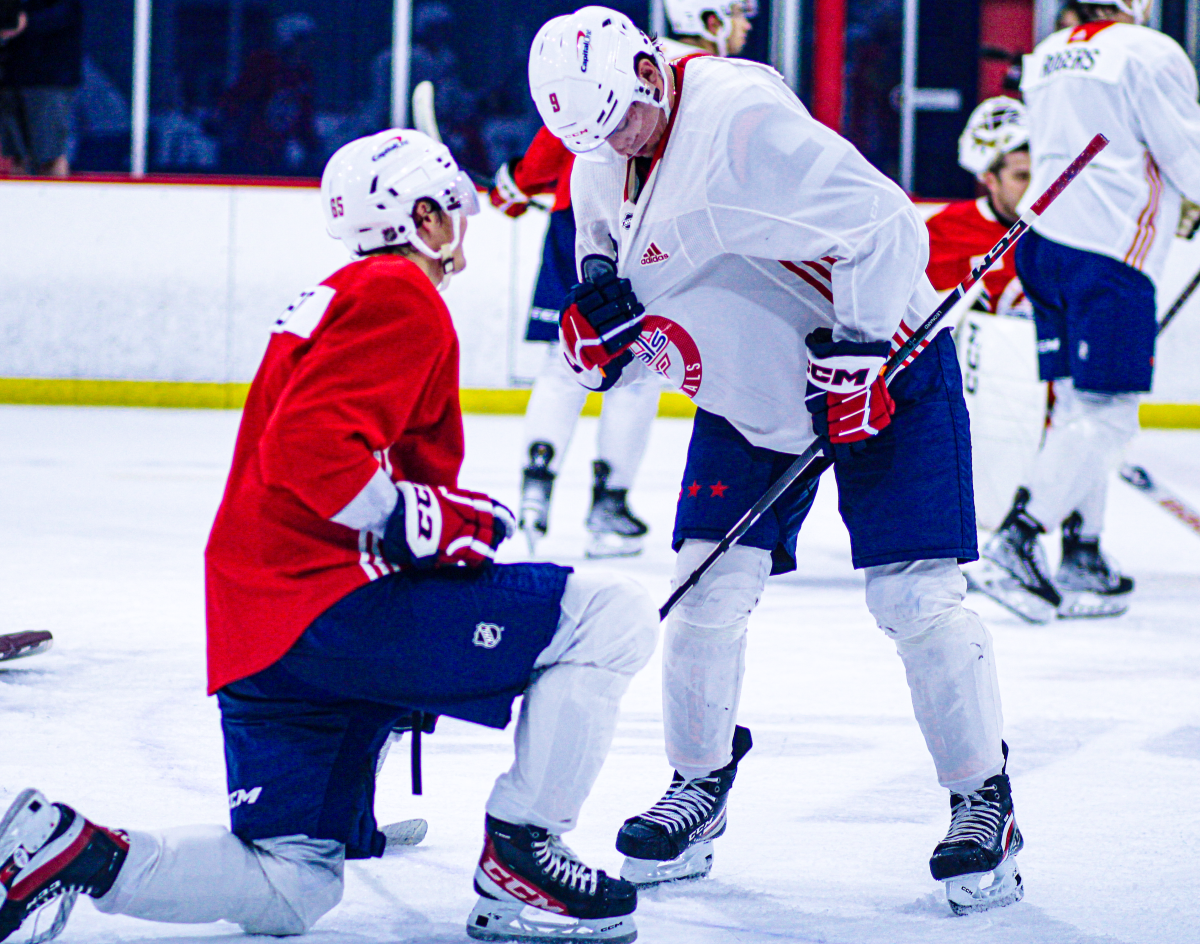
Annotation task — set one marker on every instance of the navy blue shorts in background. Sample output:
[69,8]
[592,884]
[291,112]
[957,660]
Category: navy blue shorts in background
[907,495]
[1096,317]
[555,277]
[302,737]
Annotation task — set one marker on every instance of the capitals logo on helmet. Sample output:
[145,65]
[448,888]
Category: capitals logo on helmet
[583,77]
[996,127]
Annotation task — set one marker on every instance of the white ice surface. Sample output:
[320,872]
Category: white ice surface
[103,516]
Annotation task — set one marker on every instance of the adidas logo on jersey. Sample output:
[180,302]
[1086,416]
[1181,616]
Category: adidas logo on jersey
[653,255]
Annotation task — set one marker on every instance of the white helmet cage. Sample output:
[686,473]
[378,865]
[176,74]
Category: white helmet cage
[1138,9]
[996,127]
[687,18]
[583,77]
[371,185]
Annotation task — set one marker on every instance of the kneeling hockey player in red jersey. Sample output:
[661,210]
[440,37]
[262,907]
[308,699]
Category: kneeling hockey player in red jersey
[349,582]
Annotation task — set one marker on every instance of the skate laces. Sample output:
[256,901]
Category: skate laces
[975,819]
[684,804]
[563,866]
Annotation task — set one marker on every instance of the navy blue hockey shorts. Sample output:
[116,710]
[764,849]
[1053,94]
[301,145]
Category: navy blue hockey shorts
[555,277]
[302,737]
[906,496]
[1096,317]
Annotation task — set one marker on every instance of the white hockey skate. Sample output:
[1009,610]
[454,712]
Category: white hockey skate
[1091,584]
[613,530]
[1012,569]
[992,580]
[532,887]
[696,862]
[982,891]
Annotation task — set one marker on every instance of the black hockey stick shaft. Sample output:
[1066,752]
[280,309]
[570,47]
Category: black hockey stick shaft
[812,462]
[1179,302]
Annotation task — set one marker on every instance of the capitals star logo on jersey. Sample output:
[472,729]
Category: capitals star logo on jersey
[654,255]
[668,350]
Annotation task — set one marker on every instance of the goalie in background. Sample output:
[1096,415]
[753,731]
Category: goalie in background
[1091,271]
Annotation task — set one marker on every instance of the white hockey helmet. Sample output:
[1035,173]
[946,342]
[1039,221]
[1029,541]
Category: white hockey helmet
[583,78]
[370,186]
[996,127]
[687,18]
[1138,9]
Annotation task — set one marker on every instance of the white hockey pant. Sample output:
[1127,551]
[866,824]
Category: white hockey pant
[1087,434]
[625,418]
[945,648]
[607,632]
[951,669]
[195,874]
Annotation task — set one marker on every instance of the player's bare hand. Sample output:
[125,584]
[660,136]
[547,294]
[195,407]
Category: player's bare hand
[602,316]
[435,526]
[847,398]
[505,195]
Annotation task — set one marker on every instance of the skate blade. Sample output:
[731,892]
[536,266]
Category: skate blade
[1087,604]
[695,863]
[62,911]
[532,536]
[407,832]
[994,581]
[982,891]
[22,645]
[492,920]
[607,544]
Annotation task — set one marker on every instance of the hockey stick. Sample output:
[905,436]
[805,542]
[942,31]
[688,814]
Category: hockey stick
[1140,479]
[424,115]
[20,645]
[1179,303]
[812,462]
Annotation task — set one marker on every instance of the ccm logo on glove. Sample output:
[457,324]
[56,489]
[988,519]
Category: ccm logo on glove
[438,527]
[602,316]
[847,398]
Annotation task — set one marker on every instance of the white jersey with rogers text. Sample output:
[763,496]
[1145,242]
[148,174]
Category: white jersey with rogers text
[1136,87]
[757,225]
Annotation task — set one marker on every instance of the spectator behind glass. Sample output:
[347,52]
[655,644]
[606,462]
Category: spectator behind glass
[43,65]
[13,21]
[266,116]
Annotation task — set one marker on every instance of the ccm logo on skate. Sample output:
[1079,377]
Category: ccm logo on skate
[238,797]
[487,635]
[520,890]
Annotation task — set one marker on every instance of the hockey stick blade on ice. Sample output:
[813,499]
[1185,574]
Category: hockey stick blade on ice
[1140,479]
[812,462]
[21,645]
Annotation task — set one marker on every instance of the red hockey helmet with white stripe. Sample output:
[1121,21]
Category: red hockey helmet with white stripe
[583,77]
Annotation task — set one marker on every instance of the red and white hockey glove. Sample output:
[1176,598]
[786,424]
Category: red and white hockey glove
[435,526]
[505,195]
[847,398]
[601,318]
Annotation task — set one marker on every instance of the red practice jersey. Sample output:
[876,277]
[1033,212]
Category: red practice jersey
[546,168]
[360,375]
[960,235]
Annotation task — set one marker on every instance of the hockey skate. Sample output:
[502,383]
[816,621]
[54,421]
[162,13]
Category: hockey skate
[672,841]
[613,530]
[977,859]
[1012,570]
[49,853]
[533,888]
[1090,585]
[537,484]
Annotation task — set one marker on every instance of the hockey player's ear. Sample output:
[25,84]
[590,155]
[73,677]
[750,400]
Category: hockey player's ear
[647,70]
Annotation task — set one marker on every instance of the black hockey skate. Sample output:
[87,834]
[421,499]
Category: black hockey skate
[977,859]
[537,484]
[49,852]
[672,841]
[614,531]
[1013,570]
[1089,583]
[533,888]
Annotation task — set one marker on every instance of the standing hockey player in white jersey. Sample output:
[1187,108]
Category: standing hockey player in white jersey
[759,240]
[556,399]
[1090,269]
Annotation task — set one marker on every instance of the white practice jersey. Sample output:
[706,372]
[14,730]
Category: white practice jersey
[1136,87]
[674,49]
[757,225]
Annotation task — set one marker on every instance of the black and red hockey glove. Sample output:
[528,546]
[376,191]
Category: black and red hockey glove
[601,318]
[847,398]
[435,526]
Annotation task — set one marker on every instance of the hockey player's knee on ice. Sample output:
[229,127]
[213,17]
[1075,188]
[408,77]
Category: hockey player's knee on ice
[197,874]
[608,620]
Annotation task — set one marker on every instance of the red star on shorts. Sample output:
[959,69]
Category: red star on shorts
[693,489]
[718,490]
